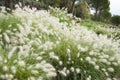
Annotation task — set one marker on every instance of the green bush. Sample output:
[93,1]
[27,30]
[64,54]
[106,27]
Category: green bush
[115,20]
[82,10]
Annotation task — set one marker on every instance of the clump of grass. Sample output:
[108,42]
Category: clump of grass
[8,21]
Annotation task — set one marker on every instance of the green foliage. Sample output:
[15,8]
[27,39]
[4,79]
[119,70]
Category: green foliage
[55,3]
[82,10]
[8,21]
[72,62]
[105,16]
[101,28]
[115,20]
[101,8]
[10,3]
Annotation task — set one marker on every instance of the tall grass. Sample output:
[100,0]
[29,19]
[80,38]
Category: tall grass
[39,45]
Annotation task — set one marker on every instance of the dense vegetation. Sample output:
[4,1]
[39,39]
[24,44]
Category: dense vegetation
[116,20]
[78,8]
[52,45]
[46,43]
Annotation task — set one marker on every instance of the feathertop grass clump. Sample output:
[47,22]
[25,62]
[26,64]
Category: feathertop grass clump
[37,45]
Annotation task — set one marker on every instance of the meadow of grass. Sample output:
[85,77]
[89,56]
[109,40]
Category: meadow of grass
[49,45]
[102,28]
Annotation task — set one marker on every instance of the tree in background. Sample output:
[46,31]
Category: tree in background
[7,3]
[101,8]
[105,16]
[73,7]
[82,10]
[10,3]
[115,20]
[53,3]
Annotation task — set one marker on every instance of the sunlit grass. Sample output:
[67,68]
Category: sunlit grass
[39,45]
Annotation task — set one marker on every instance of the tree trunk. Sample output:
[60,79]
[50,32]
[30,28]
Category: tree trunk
[73,7]
[66,3]
[96,14]
[6,3]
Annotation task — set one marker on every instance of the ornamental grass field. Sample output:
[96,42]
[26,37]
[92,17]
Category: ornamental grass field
[49,45]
